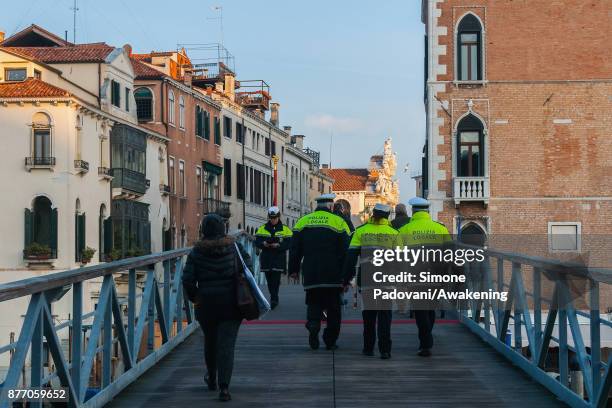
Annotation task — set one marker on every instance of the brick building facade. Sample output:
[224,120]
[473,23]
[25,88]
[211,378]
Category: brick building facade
[168,103]
[518,96]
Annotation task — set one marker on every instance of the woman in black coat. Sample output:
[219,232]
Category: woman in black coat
[209,279]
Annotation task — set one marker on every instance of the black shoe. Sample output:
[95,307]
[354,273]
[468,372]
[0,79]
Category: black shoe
[424,352]
[368,353]
[313,341]
[331,347]
[273,305]
[210,382]
[385,356]
[224,395]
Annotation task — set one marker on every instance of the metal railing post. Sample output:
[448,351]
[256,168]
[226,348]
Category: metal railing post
[77,337]
[132,312]
[167,287]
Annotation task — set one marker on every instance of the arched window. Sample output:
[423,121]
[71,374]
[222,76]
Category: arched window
[144,104]
[470,147]
[40,229]
[171,107]
[469,49]
[182,112]
[42,153]
[472,234]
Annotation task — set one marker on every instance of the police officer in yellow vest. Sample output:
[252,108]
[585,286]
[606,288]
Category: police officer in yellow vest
[376,233]
[273,239]
[422,230]
[319,244]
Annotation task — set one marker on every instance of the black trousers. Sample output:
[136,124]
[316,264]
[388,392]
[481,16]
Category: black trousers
[425,320]
[219,343]
[273,278]
[318,301]
[377,322]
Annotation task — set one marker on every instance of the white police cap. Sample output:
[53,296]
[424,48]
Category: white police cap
[382,208]
[326,198]
[273,211]
[418,203]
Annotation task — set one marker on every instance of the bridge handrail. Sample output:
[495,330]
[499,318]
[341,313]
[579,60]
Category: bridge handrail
[524,308]
[602,275]
[29,286]
[153,307]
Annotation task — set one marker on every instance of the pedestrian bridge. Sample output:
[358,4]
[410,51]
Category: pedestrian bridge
[139,345]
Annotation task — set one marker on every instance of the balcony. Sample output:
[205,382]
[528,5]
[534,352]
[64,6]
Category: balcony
[39,162]
[214,206]
[128,183]
[40,257]
[471,189]
[81,166]
[164,189]
[105,173]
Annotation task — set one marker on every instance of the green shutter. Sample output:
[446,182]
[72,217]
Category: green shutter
[77,253]
[108,235]
[82,235]
[147,237]
[206,125]
[28,229]
[198,121]
[217,131]
[54,229]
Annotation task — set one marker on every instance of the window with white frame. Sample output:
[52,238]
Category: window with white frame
[171,180]
[199,182]
[182,112]
[15,74]
[41,137]
[171,108]
[564,236]
[469,49]
[183,189]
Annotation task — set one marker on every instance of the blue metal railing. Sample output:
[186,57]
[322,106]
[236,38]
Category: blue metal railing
[140,300]
[537,315]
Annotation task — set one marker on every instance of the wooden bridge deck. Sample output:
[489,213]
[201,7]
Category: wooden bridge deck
[275,368]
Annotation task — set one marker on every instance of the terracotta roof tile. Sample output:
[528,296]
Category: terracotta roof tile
[31,88]
[79,53]
[144,71]
[348,179]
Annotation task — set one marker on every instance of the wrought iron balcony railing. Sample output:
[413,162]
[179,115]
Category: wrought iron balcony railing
[81,165]
[40,161]
[105,172]
[164,189]
[214,206]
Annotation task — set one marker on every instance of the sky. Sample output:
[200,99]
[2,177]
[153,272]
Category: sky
[347,73]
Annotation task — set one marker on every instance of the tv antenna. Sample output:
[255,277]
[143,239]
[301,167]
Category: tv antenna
[218,9]
[74,9]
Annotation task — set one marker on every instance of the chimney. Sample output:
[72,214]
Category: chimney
[298,141]
[219,87]
[128,49]
[1,36]
[274,113]
[209,90]
[287,129]
[187,77]
[230,84]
